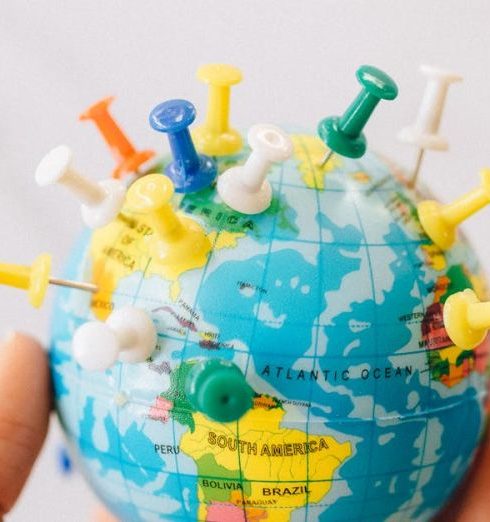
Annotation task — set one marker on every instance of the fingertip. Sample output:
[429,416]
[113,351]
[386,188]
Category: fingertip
[102,515]
[24,412]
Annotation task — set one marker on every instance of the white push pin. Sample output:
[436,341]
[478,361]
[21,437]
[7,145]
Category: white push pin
[424,133]
[245,188]
[128,335]
[101,202]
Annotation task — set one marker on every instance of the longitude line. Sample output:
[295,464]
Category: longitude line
[373,291]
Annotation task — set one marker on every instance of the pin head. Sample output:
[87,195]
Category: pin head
[218,389]
[440,74]
[176,240]
[128,158]
[215,137]
[440,222]
[457,321]
[245,188]
[128,335]
[343,135]
[377,82]
[270,141]
[54,166]
[150,193]
[98,107]
[95,346]
[136,333]
[172,116]
[219,74]
[39,279]
[425,131]
[189,171]
[34,279]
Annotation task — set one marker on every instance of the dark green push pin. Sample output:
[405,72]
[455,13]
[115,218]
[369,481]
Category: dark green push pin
[344,135]
[218,389]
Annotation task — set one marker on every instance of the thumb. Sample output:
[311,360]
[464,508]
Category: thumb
[24,413]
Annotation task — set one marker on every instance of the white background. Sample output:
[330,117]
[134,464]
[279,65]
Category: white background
[298,59]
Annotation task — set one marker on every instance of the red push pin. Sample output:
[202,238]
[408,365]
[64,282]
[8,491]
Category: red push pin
[128,158]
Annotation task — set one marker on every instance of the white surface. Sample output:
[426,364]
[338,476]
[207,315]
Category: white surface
[298,59]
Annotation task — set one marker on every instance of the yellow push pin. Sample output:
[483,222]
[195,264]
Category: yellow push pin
[36,278]
[177,240]
[216,137]
[440,221]
[466,319]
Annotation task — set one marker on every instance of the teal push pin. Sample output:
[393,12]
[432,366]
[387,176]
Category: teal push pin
[343,134]
[218,389]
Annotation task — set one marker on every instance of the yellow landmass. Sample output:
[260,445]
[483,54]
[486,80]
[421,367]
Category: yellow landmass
[434,257]
[456,373]
[252,514]
[123,248]
[310,151]
[225,239]
[282,465]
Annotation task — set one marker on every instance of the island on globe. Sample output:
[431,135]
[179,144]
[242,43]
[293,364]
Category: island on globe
[330,303]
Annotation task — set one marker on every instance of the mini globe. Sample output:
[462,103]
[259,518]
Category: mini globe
[330,304]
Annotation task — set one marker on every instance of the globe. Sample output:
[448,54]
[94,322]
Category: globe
[330,304]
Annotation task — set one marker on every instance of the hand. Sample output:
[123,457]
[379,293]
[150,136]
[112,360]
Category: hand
[25,404]
[471,501]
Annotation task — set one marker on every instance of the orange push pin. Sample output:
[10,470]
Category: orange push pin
[36,278]
[466,319]
[440,222]
[128,158]
[177,240]
[216,137]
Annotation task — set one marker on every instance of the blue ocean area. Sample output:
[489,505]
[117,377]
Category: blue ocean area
[314,318]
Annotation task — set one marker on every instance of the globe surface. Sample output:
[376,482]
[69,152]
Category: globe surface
[331,305]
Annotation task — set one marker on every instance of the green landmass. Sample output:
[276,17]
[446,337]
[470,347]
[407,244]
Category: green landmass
[458,281]
[182,409]
[465,355]
[208,468]
[437,365]
[221,217]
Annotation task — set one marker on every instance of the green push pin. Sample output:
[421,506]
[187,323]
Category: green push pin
[343,134]
[218,389]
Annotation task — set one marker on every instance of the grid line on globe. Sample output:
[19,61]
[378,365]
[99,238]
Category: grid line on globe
[279,331]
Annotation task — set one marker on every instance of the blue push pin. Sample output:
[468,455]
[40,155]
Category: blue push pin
[65,464]
[189,171]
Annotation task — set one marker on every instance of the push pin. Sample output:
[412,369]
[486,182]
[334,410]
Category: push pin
[246,188]
[215,137]
[128,335]
[176,239]
[343,134]
[466,319]
[424,133]
[189,171]
[127,157]
[101,201]
[36,278]
[218,389]
[440,221]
